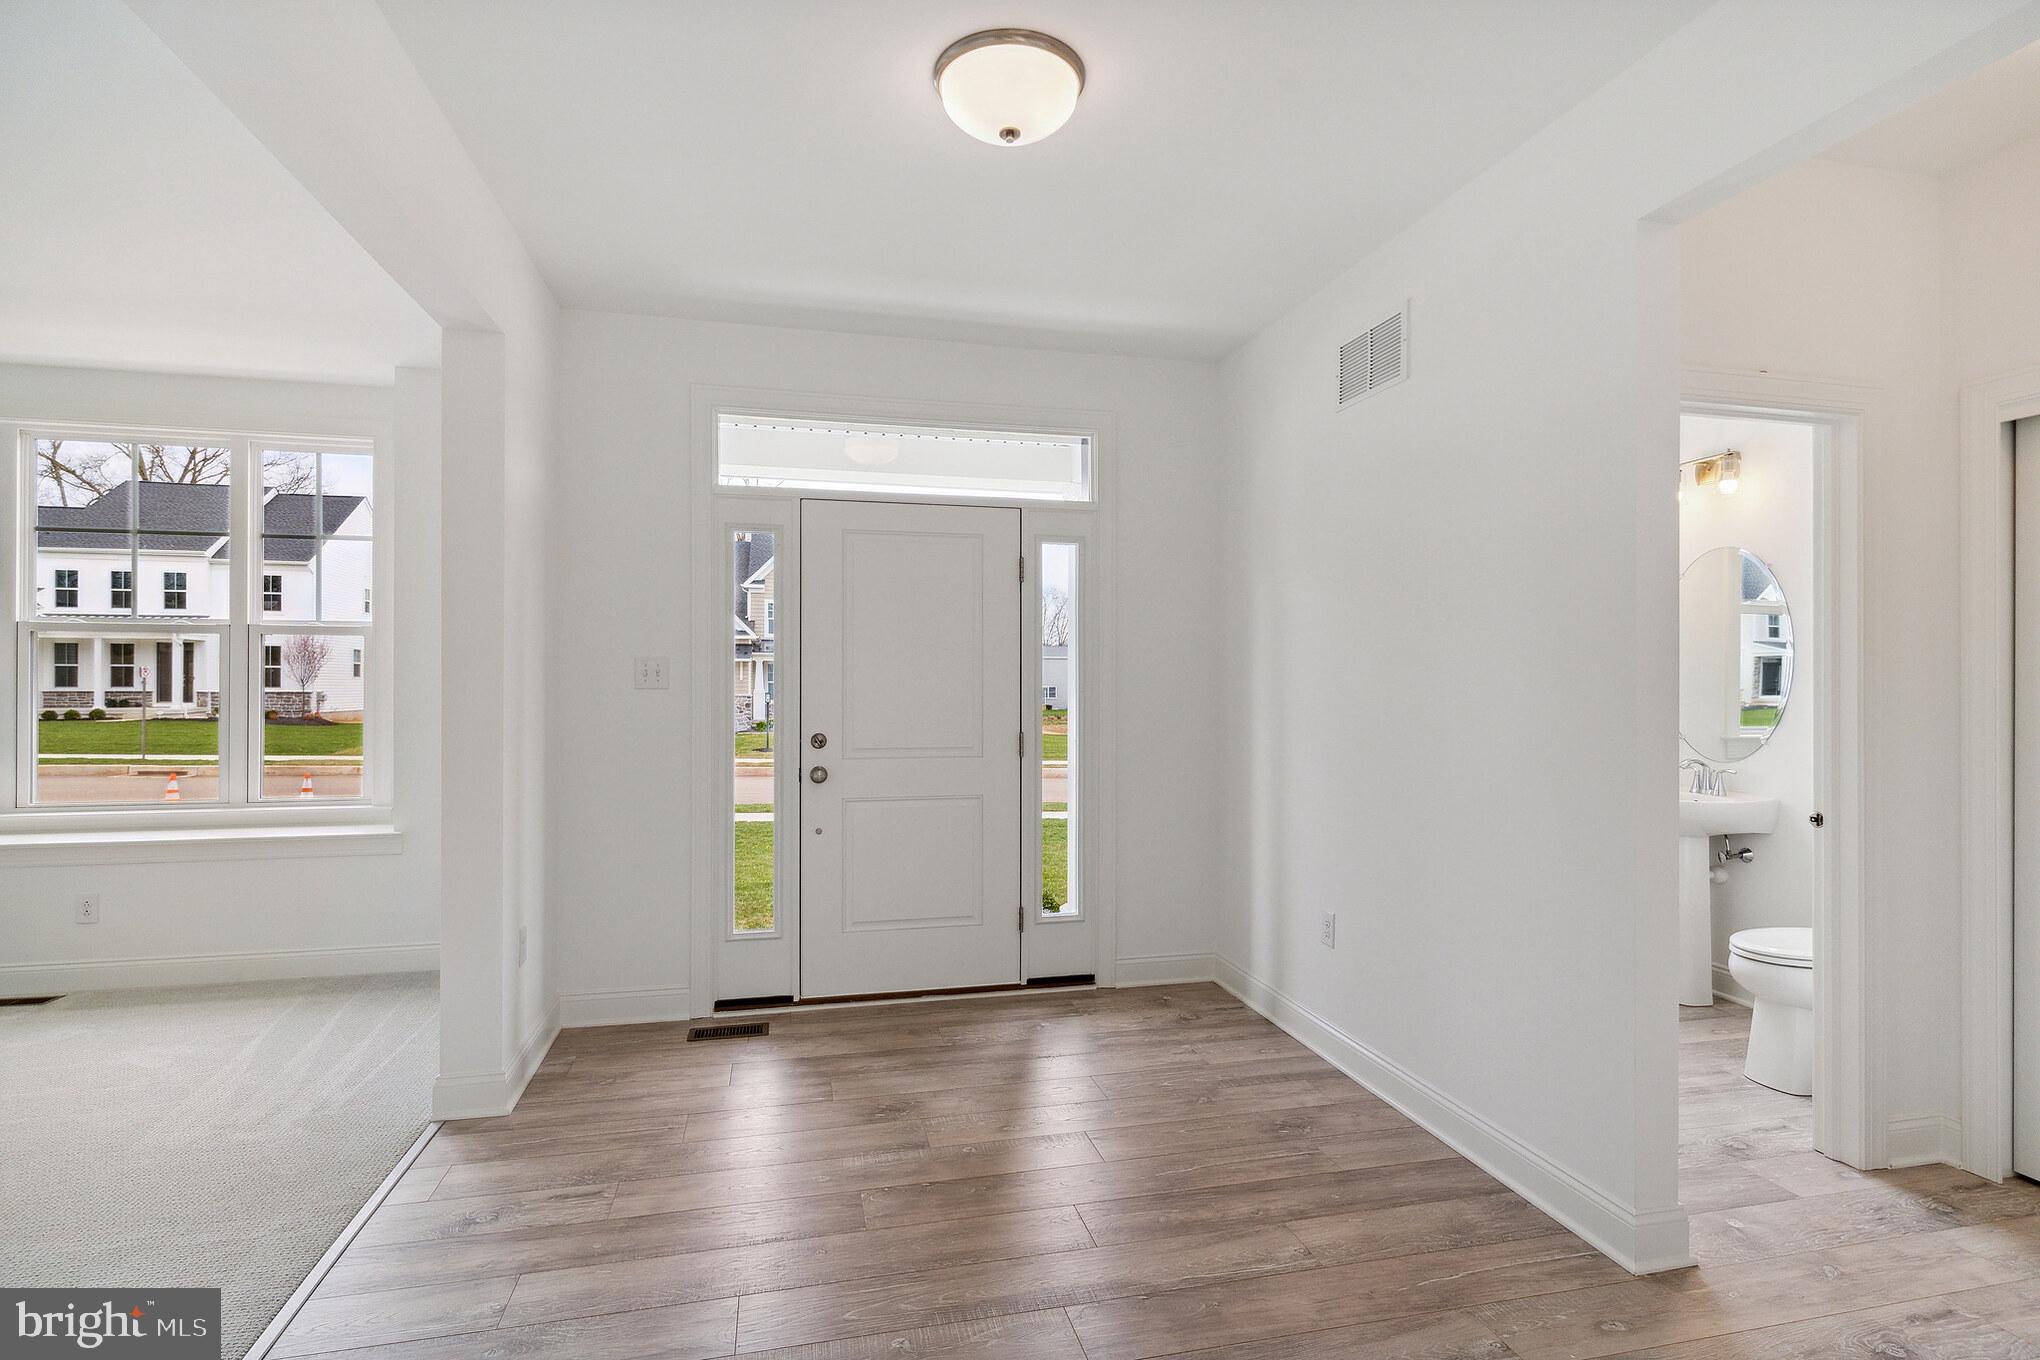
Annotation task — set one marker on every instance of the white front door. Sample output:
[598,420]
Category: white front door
[911,767]
[2026,799]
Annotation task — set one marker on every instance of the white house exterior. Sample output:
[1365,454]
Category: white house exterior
[1055,675]
[754,625]
[92,567]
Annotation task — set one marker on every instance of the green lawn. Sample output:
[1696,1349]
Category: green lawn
[188,737]
[754,875]
[754,743]
[1760,715]
[1055,746]
[1055,864]
[754,871]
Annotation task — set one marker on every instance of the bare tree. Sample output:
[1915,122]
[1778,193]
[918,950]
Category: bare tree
[79,474]
[305,657]
[1055,617]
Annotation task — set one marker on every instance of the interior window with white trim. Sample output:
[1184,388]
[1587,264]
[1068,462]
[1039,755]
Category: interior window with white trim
[761,450]
[1058,730]
[754,573]
[134,630]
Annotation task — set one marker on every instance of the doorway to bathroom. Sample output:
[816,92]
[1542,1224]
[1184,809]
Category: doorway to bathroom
[1770,1070]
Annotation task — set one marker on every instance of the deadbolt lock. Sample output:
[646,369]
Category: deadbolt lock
[818,741]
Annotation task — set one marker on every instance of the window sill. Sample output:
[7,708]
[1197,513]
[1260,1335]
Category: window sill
[170,844]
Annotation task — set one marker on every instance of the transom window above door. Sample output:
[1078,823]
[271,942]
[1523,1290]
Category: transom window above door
[758,450]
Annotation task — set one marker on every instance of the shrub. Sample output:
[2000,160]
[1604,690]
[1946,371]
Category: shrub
[72,715]
[270,714]
[49,715]
[96,714]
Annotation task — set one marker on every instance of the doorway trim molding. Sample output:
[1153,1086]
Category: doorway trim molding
[1849,1122]
[717,509]
[1988,407]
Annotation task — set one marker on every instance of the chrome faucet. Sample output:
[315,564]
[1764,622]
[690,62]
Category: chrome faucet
[1707,778]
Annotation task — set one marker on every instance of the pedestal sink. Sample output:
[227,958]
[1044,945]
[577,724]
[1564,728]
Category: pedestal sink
[1702,815]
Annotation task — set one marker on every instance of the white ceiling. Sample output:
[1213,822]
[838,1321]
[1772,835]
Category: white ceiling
[1961,125]
[143,227]
[787,160]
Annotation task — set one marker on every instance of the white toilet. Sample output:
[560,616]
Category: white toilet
[1775,965]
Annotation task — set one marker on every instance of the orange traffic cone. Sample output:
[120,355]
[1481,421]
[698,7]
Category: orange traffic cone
[170,793]
[305,789]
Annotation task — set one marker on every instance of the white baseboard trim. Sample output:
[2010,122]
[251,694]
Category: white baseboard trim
[1924,1140]
[190,970]
[486,1095]
[642,1006]
[1155,970]
[1641,1242]
[1726,988]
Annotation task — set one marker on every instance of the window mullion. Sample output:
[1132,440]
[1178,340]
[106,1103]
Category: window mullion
[244,556]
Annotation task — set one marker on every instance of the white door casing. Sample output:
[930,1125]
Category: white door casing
[910,865]
[2026,798]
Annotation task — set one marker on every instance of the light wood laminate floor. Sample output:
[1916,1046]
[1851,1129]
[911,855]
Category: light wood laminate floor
[1108,1176]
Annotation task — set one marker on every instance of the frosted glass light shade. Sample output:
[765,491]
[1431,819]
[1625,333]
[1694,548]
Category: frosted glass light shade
[1009,86]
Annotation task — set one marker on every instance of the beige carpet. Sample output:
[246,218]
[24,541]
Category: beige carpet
[206,1136]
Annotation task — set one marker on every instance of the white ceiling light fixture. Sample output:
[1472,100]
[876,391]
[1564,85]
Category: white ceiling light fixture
[1009,86]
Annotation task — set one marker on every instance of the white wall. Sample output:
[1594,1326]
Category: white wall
[1504,872]
[1771,515]
[227,916]
[621,520]
[1992,216]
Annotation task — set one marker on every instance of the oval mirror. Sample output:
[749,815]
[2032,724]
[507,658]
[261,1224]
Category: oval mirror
[1735,654]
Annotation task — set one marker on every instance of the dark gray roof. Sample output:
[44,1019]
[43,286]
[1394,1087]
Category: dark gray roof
[1757,582]
[177,516]
[750,554]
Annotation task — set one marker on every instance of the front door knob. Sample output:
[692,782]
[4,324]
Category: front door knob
[818,775]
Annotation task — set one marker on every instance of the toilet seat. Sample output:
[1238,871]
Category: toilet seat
[1780,946]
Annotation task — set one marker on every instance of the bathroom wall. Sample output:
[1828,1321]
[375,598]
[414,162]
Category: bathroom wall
[1771,515]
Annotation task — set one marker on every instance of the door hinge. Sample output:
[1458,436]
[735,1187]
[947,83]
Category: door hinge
[1023,570]
[1022,910]
[1020,746]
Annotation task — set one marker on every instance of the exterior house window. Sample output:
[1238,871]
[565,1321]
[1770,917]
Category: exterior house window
[365,610]
[1770,677]
[768,617]
[1774,626]
[1048,694]
[165,512]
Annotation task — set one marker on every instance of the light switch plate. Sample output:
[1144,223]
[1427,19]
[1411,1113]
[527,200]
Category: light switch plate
[651,672]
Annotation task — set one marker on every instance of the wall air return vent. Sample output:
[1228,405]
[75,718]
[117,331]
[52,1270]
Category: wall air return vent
[1378,357]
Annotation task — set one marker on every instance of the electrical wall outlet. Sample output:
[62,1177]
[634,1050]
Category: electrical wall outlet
[651,672]
[88,909]
[1328,929]
[523,942]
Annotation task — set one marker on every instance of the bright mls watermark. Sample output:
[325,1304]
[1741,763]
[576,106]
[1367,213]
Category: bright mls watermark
[171,1324]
